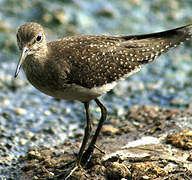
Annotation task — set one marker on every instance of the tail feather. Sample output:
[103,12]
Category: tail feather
[147,47]
[183,30]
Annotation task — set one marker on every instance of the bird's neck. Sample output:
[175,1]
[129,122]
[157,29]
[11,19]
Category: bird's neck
[36,61]
[40,54]
[33,67]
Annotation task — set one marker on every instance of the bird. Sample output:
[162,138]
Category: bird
[84,67]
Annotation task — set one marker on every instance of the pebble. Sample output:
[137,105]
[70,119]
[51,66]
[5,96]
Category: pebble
[8,145]
[78,133]
[177,101]
[21,111]
[47,113]
[114,121]
[9,158]
[189,157]
[5,102]
[148,108]
[34,154]
[60,17]
[54,109]
[109,129]
[47,18]
[117,170]
[4,27]
[19,83]
[68,110]
[170,167]
[146,177]
[134,108]
[28,134]
[120,111]
[22,141]
[182,139]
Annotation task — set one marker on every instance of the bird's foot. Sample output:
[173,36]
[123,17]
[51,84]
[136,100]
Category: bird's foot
[85,159]
[87,156]
[69,174]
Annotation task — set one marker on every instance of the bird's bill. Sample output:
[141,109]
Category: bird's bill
[24,54]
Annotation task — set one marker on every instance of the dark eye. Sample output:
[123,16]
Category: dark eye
[38,38]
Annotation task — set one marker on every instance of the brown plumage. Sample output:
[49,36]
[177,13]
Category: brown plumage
[92,61]
[85,67]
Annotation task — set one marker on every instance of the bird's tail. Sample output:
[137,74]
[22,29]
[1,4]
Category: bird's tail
[148,47]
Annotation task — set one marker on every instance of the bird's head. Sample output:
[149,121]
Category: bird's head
[31,41]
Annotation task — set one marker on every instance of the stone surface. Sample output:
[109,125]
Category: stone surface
[146,156]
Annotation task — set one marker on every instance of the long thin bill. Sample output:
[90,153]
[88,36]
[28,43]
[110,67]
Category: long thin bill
[24,54]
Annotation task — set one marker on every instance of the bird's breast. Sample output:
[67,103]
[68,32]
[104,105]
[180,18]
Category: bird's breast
[40,77]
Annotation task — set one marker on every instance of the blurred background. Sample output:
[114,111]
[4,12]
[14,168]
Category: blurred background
[29,118]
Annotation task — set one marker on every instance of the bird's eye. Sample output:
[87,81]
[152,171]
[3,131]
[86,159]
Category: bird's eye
[39,38]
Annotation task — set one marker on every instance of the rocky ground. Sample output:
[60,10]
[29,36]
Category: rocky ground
[38,133]
[145,144]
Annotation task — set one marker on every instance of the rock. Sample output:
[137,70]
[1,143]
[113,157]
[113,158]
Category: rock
[22,141]
[189,157]
[147,169]
[20,111]
[5,102]
[109,129]
[183,139]
[60,17]
[47,113]
[33,154]
[117,170]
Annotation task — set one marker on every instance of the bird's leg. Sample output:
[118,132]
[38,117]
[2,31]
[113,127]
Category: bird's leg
[86,135]
[85,140]
[89,151]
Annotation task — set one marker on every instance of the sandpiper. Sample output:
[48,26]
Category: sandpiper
[85,67]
